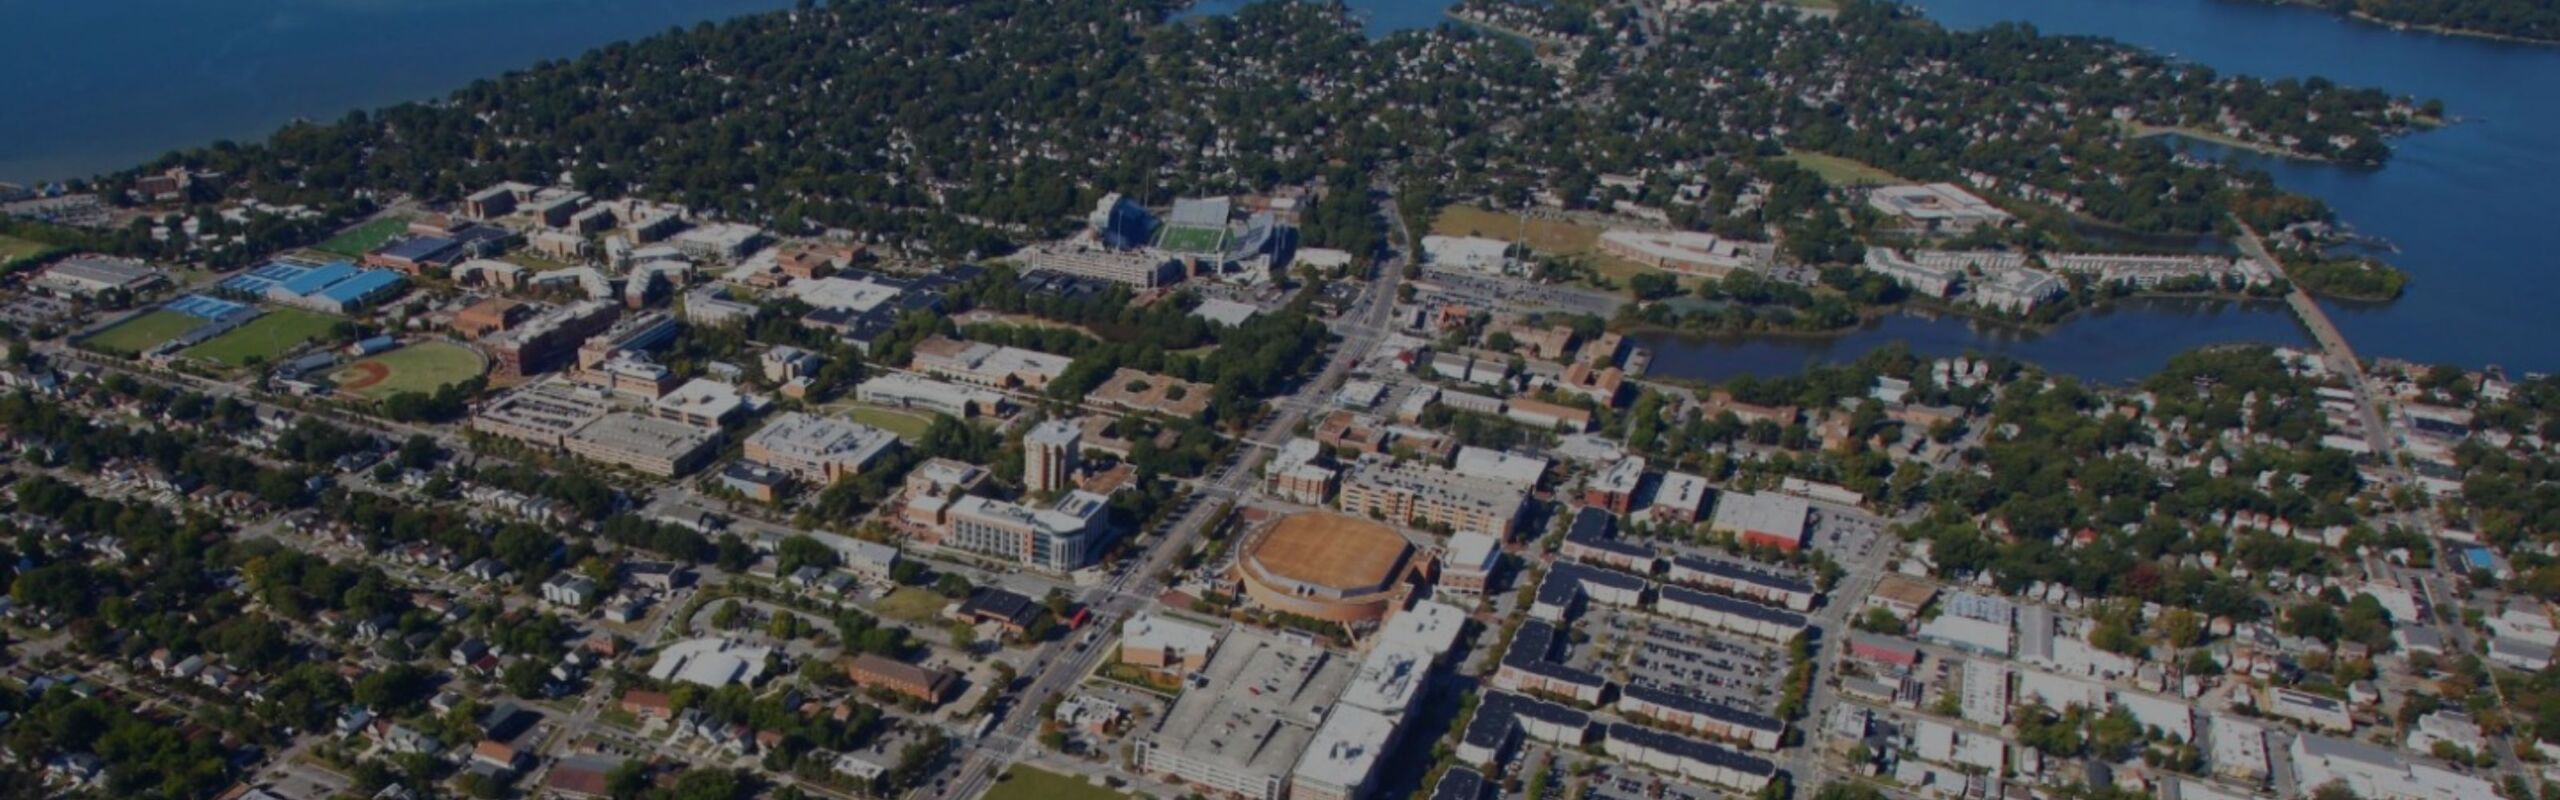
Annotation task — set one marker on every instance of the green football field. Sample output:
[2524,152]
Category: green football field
[362,239]
[1183,239]
[142,333]
[264,338]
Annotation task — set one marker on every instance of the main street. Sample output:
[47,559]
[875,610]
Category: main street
[980,762]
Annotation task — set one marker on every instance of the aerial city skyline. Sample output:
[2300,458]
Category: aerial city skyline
[1612,399]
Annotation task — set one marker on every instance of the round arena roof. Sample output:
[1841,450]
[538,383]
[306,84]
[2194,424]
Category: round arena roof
[1342,553]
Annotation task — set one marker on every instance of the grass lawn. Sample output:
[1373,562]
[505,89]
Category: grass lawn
[615,716]
[423,368]
[1134,675]
[1549,236]
[13,248]
[1839,171]
[361,239]
[1543,235]
[1034,783]
[142,333]
[264,338]
[912,605]
[906,424]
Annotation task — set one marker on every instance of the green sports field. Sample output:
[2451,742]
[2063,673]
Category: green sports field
[264,338]
[1185,239]
[13,248]
[1839,171]
[142,333]
[362,239]
[422,368]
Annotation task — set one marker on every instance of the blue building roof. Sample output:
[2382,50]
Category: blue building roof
[316,279]
[362,286]
[418,249]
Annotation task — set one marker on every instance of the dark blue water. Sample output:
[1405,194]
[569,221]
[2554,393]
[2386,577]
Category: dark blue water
[2469,205]
[2119,343]
[94,86]
[1377,17]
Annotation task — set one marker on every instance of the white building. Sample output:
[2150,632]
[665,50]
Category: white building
[2374,773]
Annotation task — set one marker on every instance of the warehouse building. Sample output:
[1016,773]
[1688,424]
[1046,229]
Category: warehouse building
[90,276]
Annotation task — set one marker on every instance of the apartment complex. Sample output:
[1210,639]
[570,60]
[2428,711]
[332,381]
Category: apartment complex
[1422,494]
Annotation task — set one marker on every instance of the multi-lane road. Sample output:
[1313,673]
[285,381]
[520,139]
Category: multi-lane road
[1062,664]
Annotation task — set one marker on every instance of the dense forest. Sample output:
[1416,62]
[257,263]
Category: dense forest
[970,125]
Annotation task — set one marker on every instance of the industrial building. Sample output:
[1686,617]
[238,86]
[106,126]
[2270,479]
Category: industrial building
[90,276]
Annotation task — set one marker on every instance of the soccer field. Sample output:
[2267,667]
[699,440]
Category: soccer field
[142,333]
[264,338]
[1183,239]
[422,368]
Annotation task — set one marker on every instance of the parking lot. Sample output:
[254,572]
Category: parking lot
[1678,657]
[1622,782]
[1515,294]
[1852,537]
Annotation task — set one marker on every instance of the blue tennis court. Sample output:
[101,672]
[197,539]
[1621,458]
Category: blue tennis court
[202,307]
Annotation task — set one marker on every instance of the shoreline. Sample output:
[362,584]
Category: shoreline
[2139,130]
[1928,307]
[2360,16]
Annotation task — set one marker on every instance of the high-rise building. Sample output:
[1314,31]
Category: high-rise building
[1049,455]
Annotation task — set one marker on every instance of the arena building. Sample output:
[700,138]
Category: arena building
[1327,566]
